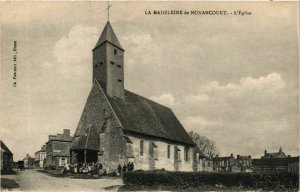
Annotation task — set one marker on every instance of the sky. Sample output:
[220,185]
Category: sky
[233,79]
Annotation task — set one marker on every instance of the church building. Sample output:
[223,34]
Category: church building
[118,126]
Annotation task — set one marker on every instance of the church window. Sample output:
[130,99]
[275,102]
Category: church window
[141,148]
[155,153]
[112,62]
[177,154]
[120,80]
[119,66]
[169,151]
[101,63]
[115,51]
[186,153]
[96,66]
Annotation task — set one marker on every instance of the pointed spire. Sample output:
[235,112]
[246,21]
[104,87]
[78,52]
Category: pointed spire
[108,35]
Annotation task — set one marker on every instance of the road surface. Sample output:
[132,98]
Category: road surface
[33,180]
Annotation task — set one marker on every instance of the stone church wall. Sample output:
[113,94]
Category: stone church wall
[161,160]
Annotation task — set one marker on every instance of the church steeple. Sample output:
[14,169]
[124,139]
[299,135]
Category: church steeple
[108,63]
[108,35]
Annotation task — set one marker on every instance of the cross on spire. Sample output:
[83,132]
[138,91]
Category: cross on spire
[108,6]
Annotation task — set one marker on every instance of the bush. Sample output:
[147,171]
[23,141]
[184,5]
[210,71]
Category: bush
[274,181]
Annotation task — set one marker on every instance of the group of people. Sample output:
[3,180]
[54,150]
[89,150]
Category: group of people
[129,167]
[95,168]
[92,168]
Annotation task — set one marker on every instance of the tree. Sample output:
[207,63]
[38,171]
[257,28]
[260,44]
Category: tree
[206,146]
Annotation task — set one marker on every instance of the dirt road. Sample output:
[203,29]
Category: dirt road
[33,180]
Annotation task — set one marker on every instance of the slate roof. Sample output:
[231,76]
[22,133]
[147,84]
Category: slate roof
[275,161]
[108,35]
[5,148]
[63,153]
[140,115]
[89,140]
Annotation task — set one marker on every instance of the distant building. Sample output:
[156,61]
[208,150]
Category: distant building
[242,164]
[279,154]
[202,162]
[55,145]
[29,162]
[293,166]
[6,158]
[223,164]
[288,164]
[276,162]
[40,157]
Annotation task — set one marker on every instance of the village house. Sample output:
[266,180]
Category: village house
[55,145]
[61,158]
[223,164]
[242,164]
[6,158]
[276,162]
[40,156]
[279,154]
[118,126]
[29,162]
[202,162]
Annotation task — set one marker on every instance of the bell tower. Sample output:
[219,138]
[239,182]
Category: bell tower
[108,63]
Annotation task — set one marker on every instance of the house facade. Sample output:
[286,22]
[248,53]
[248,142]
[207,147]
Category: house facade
[118,126]
[40,156]
[61,158]
[223,164]
[6,158]
[202,162]
[243,164]
[56,144]
[29,162]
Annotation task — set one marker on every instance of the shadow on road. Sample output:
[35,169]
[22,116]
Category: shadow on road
[8,184]
[113,187]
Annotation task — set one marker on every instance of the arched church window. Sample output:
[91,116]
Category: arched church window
[115,51]
[141,147]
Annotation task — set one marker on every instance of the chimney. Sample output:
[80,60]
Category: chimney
[51,137]
[66,132]
[238,156]
[217,155]
[249,156]
[231,155]
[289,155]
